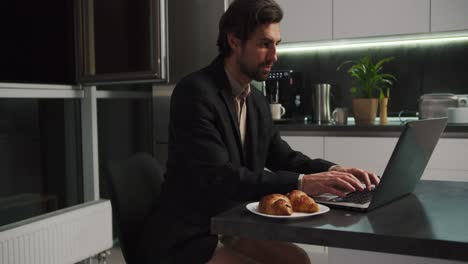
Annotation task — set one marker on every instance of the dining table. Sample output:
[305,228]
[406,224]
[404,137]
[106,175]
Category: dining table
[429,225]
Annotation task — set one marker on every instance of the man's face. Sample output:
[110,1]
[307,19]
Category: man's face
[257,54]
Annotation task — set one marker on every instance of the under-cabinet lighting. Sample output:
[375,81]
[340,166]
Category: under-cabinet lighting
[375,42]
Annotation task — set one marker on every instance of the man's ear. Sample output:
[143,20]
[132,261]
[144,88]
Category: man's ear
[233,41]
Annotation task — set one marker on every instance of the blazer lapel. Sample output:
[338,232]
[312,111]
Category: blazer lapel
[224,89]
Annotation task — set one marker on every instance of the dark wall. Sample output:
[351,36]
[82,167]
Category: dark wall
[37,41]
[419,70]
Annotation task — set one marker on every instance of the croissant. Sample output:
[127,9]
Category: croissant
[275,204]
[301,202]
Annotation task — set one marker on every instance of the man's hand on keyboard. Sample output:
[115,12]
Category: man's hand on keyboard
[332,182]
[368,178]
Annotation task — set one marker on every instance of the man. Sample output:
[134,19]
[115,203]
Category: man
[221,139]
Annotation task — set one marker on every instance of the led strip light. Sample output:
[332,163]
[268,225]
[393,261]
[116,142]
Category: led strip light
[382,42]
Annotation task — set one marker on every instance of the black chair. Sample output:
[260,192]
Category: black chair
[134,187]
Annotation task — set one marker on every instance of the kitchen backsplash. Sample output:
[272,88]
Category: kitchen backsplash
[419,70]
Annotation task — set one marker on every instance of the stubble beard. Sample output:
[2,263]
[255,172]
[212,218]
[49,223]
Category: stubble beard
[256,74]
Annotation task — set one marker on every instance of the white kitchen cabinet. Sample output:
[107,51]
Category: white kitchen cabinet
[306,20]
[445,175]
[362,18]
[369,153]
[309,146]
[448,161]
[447,15]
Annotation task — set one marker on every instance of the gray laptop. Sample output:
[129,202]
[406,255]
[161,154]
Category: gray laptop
[403,171]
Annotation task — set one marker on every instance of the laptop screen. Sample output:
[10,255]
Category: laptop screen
[404,168]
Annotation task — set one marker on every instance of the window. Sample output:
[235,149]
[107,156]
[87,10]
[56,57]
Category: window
[40,156]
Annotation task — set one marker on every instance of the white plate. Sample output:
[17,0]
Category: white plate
[253,207]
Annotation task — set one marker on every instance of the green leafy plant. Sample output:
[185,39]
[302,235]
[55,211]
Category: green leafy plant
[368,80]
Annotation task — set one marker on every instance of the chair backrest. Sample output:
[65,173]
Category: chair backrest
[134,186]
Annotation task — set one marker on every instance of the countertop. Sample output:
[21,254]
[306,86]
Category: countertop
[299,127]
[431,222]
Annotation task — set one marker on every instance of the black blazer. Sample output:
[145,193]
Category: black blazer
[208,171]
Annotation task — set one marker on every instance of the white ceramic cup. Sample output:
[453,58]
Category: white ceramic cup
[457,115]
[340,116]
[277,111]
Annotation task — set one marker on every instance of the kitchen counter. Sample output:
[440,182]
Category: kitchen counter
[393,128]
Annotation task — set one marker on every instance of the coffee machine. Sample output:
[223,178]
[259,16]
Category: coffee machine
[285,87]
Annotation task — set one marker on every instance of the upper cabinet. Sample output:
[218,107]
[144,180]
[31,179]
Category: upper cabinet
[120,40]
[82,41]
[447,15]
[362,18]
[306,20]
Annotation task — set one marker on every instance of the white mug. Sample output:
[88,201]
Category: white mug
[340,116]
[277,111]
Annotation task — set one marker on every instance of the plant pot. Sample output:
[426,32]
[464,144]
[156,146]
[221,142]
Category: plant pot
[365,110]
[383,103]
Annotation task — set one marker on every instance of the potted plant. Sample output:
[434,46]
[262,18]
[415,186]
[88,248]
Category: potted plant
[369,84]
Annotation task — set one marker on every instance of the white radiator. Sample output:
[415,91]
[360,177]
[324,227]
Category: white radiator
[65,236]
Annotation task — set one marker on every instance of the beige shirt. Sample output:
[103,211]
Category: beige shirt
[239,93]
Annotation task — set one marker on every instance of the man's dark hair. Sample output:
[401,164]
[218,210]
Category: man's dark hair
[243,17]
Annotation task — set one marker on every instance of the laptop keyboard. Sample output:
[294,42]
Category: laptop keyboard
[360,197]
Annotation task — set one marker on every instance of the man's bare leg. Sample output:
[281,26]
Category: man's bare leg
[267,251]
